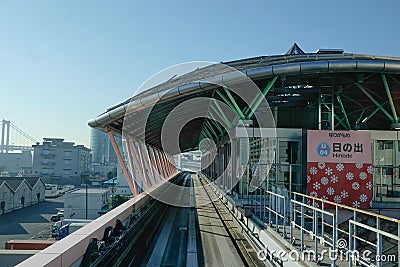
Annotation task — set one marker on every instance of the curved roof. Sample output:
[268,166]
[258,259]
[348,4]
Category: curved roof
[361,85]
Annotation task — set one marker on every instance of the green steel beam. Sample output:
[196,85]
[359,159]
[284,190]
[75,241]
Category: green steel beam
[216,123]
[208,131]
[211,128]
[389,95]
[221,113]
[360,117]
[237,108]
[228,102]
[254,105]
[370,115]
[374,101]
[340,121]
[343,110]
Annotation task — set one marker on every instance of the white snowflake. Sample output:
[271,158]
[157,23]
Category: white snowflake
[314,194]
[363,175]
[308,179]
[313,170]
[356,204]
[370,204]
[359,165]
[363,198]
[324,180]
[328,171]
[330,191]
[344,194]
[321,165]
[337,199]
[369,169]
[316,204]
[355,186]
[316,186]
[334,179]
[349,176]
[324,197]
[340,167]
[369,185]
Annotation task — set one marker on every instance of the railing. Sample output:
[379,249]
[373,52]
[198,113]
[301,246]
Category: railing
[312,224]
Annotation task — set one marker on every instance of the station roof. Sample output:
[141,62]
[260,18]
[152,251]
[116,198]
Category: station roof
[361,87]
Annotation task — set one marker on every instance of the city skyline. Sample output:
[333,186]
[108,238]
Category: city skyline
[64,63]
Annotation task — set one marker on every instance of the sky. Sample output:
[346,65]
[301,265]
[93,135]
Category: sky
[63,63]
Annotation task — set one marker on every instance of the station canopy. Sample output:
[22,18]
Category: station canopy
[360,91]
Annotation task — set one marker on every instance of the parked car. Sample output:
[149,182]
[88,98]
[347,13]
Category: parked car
[58,216]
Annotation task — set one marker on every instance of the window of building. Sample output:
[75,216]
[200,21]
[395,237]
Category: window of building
[67,161]
[66,172]
[67,153]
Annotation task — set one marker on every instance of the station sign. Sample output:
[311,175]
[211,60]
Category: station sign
[339,167]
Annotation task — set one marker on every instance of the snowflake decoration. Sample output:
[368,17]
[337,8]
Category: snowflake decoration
[316,186]
[369,169]
[314,194]
[308,179]
[363,198]
[349,176]
[316,204]
[355,186]
[340,167]
[328,171]
[370,204]
[363,175]
[330,191]
[369,185]
[344,194]
[356,204]
[359,165]
[313,170]
[324,197]
[334,179]
[337,199]
[321,165]
[324,180]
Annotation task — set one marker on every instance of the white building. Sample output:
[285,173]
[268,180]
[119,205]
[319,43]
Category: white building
[6,197]
[86,203]
[60,162]
[19,192]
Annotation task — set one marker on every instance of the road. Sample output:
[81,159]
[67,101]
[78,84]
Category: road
[29,221]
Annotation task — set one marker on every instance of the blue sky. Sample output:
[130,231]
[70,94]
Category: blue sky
[64,62]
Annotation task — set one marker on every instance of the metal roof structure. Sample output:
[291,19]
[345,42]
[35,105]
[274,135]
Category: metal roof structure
[361,91]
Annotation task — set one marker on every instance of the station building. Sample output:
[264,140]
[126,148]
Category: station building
[331,132]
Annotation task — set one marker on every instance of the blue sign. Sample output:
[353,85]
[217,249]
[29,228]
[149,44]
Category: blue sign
[323,150]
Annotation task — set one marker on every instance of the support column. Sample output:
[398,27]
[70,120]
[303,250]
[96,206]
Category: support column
[161,163]
[138,166]
[151,151]
[142,155]
[120,159]
[133,174]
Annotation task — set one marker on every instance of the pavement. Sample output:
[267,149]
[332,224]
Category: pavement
[29,222]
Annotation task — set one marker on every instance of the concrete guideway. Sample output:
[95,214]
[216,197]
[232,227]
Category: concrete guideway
[222,240]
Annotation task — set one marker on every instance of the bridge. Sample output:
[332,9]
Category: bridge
[14,139]
[260,198]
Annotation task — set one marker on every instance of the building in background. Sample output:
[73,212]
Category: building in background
[19,192]
[102,150]
[14,164]
[61,162]
[86,203]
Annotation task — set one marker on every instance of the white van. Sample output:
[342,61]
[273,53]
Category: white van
[59,224]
